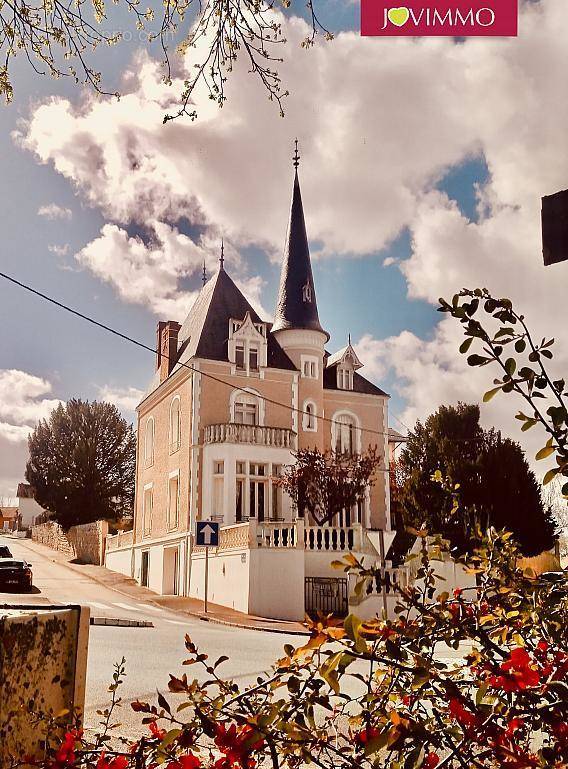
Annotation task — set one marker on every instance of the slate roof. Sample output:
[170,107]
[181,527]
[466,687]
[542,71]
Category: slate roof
[360,384]
[205,331]
[292,311]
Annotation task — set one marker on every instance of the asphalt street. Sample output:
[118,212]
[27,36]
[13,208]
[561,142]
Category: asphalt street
[151,653]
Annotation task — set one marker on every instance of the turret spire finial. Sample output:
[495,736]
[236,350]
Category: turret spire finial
[222,257]
[296,158]
[204,275]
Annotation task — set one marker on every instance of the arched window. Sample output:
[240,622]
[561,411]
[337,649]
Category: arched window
[309,420]
[246,411]
[345,434]
[175,424]
[149,442]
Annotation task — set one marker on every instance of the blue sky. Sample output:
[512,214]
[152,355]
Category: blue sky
[397,149]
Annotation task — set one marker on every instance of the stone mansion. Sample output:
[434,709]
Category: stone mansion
[231,398]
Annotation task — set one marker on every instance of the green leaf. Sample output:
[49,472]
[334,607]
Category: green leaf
[550,475]
[490,393]
[510,366]
[545,452]
[352,625]
[464,346]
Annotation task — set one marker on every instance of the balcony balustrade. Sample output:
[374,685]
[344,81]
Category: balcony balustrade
[278,437]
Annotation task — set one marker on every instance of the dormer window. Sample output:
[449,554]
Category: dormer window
[345,378]
[247,345]
[307,293]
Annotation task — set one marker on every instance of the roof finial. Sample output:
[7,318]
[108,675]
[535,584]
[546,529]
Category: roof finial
[222,257]
[349,339]
[204,276]
[296,158]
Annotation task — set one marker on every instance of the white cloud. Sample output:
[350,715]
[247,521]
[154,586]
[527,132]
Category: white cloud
[124,398]
[59,250]
[53,211]
[380,123]
[23,402]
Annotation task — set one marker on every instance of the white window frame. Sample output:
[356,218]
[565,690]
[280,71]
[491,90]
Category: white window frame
[344,378]
[147,517]
[175,444]
[250,336]
[246,394]
[173,524]
[149,455]
[306,418]
[336,424]
[309,366]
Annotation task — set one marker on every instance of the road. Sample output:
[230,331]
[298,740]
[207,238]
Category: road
[151,653]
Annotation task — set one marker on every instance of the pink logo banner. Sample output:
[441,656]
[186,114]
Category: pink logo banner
[420,18]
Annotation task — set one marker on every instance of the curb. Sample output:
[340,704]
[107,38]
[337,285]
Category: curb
[181,612]
[228,623]
[115,622]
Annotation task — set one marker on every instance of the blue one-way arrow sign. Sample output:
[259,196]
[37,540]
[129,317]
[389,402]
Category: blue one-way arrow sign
[207,534]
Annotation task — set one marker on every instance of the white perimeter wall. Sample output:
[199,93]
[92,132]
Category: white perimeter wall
[277,583]
[120,561]
[228,578]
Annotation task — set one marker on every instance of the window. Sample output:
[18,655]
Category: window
[173,501]
[253,358]
[240,492]
[276,508]
[175,425]
[240,355]
[218,509]
[219,468]
[147,505]
[307,293]
[309,416]
[345,379]
[345,435]
[149,443]
[246,409]
[309,367]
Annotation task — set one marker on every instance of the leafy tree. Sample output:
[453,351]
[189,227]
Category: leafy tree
[82,463]
[507,343]
[489,475]
[364,695]
[58,37]
[325,484]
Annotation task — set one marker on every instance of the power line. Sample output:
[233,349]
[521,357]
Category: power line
[146,347]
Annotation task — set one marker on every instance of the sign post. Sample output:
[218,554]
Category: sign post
[206,535]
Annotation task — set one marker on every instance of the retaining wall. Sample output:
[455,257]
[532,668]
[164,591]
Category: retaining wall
[86,543]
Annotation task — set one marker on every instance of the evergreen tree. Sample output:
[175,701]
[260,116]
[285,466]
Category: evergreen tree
[82,463]
[488,474]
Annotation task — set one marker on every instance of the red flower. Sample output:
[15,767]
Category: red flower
[65,755]
[366,734]
[158,733]
[513,726]
[432,760]
[457,593]
[119,762]
[463,716]
[189,761]
[519,672]
[237,746]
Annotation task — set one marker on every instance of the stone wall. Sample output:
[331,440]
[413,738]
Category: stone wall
[86,543]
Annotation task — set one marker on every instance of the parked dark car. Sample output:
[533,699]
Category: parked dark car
[15,574]
[5,552]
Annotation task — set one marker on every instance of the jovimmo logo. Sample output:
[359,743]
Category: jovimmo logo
[420,18]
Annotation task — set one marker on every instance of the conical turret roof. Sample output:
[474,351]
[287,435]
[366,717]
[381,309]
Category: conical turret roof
[297,306]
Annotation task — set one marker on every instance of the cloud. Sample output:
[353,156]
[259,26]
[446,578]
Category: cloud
[59,250]
[53,211]
[23,402]
[380,124]
[124,398]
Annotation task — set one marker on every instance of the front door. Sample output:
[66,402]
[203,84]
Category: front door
[144,571]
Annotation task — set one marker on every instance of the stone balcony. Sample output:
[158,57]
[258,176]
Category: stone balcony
[277,437]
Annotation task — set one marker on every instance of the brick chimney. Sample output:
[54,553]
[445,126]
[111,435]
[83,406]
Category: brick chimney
[166,347]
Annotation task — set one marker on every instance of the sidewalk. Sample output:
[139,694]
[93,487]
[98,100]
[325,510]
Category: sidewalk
[188,606]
